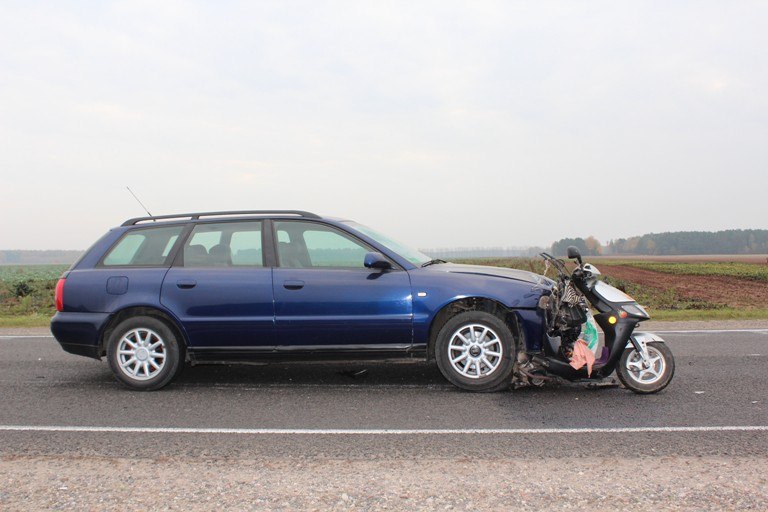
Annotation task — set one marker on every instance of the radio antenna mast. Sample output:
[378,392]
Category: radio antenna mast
[139,200]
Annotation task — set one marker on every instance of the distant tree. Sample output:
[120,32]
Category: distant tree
[533,252]
[588,247]
[593,246]
[732,241]
[16,257]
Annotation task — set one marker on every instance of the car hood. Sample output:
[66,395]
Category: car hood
[505,273]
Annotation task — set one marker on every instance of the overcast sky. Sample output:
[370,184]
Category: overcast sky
[441,123]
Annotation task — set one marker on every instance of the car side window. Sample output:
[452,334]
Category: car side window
[225,244]
[314,245]
[144,247]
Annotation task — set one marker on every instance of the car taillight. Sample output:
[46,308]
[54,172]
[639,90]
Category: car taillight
[59,295]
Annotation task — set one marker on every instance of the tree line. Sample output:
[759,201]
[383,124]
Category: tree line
[50,257]
[730,241]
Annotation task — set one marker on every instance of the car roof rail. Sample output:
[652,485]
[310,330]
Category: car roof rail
[197,216]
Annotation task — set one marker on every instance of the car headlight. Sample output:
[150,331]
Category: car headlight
[635,310]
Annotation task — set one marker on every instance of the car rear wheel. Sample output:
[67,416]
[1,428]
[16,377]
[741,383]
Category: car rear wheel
[475,351]
[144,353]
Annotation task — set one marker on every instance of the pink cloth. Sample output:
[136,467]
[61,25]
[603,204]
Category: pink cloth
[582,356]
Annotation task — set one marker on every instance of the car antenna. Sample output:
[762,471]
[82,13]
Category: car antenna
[139,200]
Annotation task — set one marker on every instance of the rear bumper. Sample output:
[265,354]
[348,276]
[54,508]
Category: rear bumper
[82,350]
[79,333]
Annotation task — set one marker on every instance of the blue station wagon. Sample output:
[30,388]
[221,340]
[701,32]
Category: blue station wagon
[160,292]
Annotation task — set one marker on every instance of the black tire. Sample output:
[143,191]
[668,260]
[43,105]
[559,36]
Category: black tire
[499,374]
[149,330]
[632,382]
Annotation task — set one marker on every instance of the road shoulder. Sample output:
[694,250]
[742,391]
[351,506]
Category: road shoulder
[582,483]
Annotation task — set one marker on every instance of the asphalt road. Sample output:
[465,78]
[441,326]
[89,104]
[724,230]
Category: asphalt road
[395,415]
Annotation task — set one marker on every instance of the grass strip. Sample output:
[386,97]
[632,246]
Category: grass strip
[35,320]
[664,315]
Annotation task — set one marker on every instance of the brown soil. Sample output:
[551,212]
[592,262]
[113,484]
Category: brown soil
[730,291]
[757,259]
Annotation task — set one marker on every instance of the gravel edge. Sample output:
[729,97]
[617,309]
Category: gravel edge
[584,483]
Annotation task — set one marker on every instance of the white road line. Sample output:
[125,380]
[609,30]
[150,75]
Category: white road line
[709,331]
[377,431]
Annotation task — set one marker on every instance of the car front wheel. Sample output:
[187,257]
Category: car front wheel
[475,351]
[144,353]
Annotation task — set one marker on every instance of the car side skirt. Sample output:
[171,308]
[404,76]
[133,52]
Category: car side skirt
[307,353]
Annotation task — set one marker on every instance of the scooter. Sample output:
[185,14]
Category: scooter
[642,360]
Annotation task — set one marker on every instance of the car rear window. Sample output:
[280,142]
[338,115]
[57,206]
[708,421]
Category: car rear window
[146,247]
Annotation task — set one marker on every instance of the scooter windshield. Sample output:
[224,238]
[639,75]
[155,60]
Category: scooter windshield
[611,294]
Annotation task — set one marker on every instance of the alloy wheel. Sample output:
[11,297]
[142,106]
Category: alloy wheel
[141,354]
[654,371]
[475,351]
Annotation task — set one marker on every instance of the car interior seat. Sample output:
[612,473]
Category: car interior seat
[291,256]
[196,256]
[220,255]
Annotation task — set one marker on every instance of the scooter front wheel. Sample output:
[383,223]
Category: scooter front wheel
[646,378]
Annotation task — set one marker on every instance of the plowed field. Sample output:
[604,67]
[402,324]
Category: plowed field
[758,259]
[721,290]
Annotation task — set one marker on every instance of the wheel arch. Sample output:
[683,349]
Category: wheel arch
[477,303]
[150,311]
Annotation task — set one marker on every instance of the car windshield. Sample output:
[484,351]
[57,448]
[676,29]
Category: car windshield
[416,257]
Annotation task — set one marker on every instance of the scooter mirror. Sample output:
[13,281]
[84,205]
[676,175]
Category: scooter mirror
[573,252]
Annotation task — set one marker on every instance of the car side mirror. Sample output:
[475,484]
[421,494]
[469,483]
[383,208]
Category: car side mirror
[376,260]
[573,253]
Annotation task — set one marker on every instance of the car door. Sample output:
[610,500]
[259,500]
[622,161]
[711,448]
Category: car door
[325,299]
[220,289]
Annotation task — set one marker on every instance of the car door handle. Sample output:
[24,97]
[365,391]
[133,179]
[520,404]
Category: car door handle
[293,285]
[185,284]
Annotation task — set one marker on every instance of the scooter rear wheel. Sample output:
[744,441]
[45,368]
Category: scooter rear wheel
[653,379]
